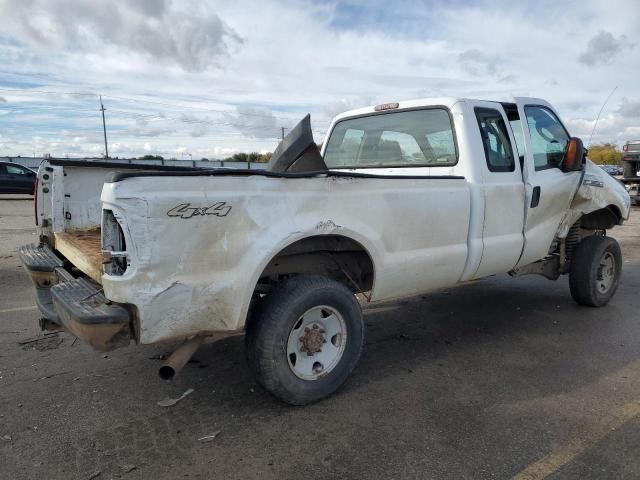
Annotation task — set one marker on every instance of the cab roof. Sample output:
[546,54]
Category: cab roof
[448,102]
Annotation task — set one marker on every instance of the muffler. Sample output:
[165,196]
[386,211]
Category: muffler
[178,359]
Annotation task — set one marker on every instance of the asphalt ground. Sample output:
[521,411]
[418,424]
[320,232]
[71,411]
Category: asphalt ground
[500,378]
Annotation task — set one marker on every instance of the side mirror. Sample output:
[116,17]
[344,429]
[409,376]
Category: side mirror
[574,156]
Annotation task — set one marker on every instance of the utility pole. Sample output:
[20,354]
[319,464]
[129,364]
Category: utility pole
[283,129]
[104,129]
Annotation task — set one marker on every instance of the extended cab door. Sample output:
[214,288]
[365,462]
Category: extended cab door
[503,188]
[549,190]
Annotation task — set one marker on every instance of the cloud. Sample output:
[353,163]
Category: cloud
[336,107]
[476,62]
[602,47]
[144,128]
[198,131]
[254,122]
[168,31]
[308,62]
[629,108]
[508,79]
[618,126]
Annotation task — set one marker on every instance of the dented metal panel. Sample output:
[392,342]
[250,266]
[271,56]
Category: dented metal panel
[196,272]
[598,190]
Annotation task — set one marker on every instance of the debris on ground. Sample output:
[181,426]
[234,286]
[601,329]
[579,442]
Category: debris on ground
[160,356]
[209,438]
[51,376]
[6,438]
[94,475]
[170,402]
[38,338]
[128,468]
[50,341]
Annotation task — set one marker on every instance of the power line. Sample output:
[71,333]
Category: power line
[104,129]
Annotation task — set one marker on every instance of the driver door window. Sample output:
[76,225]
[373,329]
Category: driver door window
[548,137]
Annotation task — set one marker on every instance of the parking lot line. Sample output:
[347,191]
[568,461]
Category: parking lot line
[18,309]
[565,454]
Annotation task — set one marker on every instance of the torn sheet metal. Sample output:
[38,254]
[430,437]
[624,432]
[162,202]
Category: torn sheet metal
[597,191]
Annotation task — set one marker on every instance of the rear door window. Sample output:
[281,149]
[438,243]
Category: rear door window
[495,138]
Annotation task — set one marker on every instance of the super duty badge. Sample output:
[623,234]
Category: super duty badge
[185,210]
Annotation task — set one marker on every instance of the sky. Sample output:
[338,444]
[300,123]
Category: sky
[206,79]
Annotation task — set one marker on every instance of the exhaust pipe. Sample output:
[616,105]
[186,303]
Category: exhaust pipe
[178,359]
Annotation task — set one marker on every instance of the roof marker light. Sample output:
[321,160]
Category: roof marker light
[386,106]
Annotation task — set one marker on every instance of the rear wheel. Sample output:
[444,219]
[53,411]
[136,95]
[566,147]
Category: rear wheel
[595,271]
[306,339]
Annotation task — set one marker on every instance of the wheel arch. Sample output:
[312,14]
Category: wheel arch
[337,255]
[313,254]
[603,218]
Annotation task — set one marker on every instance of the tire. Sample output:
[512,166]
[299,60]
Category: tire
[591,280]
[285,346]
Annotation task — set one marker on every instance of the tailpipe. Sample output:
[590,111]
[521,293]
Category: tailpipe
[178,359]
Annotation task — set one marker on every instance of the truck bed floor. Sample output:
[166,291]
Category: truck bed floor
[83,249]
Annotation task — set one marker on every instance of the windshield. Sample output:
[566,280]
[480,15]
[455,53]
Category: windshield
[399,139]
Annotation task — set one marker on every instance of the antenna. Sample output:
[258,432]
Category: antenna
[598,117]
[104,129]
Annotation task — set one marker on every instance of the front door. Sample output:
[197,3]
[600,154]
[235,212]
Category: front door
[549,190]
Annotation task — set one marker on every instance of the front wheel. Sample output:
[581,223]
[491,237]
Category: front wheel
[595,270]
[306,339]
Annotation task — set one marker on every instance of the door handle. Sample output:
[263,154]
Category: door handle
[535,197]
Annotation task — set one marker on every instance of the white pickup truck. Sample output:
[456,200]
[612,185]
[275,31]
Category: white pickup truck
[404,198]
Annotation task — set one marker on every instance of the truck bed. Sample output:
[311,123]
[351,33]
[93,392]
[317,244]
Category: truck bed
[83,249]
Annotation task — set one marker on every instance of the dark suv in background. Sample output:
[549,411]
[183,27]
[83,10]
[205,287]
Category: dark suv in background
[15,178]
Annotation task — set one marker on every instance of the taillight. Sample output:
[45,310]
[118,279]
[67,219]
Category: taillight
[627,158]
[35,200]
[625,148]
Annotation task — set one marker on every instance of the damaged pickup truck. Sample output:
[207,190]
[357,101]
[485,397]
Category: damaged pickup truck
[404,198]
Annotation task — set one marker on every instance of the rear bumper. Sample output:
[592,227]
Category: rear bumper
[75,303]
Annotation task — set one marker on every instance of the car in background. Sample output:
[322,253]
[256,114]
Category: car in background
[15,178]
[611,169]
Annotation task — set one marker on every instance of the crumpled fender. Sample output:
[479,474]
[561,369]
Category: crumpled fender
[597,190]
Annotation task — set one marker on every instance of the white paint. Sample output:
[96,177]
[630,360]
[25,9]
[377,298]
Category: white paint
[191,274]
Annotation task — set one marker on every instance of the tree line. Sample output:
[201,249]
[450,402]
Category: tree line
[253,157]
[605,154]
